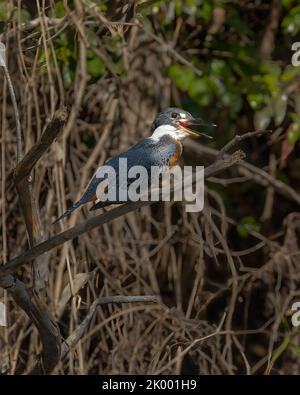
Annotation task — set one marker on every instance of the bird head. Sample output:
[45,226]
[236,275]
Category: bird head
[177,123]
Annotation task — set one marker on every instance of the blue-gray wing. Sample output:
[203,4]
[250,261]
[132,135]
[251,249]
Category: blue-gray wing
[147,153]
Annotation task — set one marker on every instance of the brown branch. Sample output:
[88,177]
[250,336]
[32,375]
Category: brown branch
[101,219]
[74,338]
[23,182]
[51,132]
[31,304]
[224,163]
[238,138]
[56,22]
[72,233]
[252,172]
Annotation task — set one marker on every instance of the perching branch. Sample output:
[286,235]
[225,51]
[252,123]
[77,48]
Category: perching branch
[106,217]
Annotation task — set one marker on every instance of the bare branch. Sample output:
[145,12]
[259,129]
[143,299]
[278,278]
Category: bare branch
[238,138]
[101,219]
[79,331]
[224,163]
[248,170]
[72,233]
[29,302]
[24,167]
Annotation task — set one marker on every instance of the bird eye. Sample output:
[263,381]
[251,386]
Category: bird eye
[174,115]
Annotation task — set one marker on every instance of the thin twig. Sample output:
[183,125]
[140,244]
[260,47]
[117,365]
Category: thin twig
[238,138]
[17,114]
[253,172]
[217,332]
[79,331]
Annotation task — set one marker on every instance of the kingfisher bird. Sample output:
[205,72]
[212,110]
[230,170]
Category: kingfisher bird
[162,149]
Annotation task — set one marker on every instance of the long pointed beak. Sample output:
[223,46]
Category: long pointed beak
[196,122]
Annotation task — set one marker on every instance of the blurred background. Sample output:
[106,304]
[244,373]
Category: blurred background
[115,64]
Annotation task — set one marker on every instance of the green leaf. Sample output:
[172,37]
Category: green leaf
[236,22]
[280,106]
[290,72]
[291,22]
[263,117]
[63,54]
[248,224]
[59,9]
[201,91]
[6,9]
[62,40]
[256,100]
[271,81]
[183,76]
[22,16]
[42,57]
[147,6]
[286,3]
[294,134]
[219,67]
[114,45]
[205,10]
[95,67]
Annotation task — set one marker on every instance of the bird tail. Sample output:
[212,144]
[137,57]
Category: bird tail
[100,204]
[69,211]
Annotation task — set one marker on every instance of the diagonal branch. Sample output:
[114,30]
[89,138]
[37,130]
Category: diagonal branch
[32,305]
[23,183]
[238,138]
[101,219]
[252,172]
[74,338]
[25,166]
